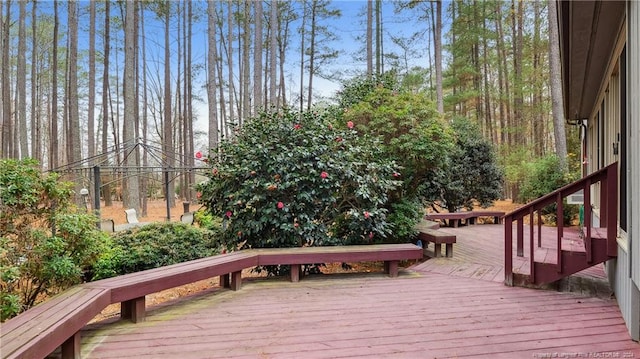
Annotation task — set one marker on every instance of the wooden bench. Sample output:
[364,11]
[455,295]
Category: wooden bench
[470,217]
[56,323]
[391,254]
[438,238]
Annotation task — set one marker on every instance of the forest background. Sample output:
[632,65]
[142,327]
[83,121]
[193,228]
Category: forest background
[86,83]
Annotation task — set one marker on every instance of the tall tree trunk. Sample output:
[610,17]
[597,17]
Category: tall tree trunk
[105,98]
[131,197]
[36,134]
[378,38]
[312,51]
[21,79]
[487,93]
[7,122]
[556,85]
[91,139]
[369,38]
[167,143]
[232,97]
[211,75]
[273,44]
[503,73]
[246,70]
[538,133]
[191,179]
[144,183]
[437,44]
[258,101]
[75,153]
[303,34]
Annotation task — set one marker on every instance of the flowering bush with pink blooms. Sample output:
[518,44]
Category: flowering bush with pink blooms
[287,180]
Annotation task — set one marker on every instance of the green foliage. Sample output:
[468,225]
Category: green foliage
[411,131]
[155,245]
[358,89]
[543,177]
[472,174]
[46,244]
[288,180]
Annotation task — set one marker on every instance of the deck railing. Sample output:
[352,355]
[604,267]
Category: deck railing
[608,191]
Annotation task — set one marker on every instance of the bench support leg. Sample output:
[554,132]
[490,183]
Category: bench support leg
[134,310]
[391,268]
[236,280]
[437,249]
[294,273]
[449,250]
[71,347]
[224,281]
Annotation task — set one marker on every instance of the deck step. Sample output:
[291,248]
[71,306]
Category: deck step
[573,261]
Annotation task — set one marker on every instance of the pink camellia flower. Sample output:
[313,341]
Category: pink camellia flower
[396,174]
[350,124]
[366,215]
[370,235]
[339,139]
[324,174]
[228,214]
[198,155]
[280,205]
[199,194]
[297,126]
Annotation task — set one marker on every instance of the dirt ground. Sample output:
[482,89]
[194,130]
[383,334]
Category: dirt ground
[157,213]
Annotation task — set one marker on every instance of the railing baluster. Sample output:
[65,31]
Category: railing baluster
[586,190]
[508,251]
[539,228]
[560,226]
[531,247]
[520,237]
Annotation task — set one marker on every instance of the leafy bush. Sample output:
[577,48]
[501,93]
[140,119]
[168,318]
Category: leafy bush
[288,180]
[543,177]
[155,245]
[472,174]
[46,245]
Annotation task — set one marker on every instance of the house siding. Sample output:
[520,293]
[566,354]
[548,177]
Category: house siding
[625,269]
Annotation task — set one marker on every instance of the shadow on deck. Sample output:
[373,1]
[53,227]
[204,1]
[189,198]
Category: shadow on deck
[440,308]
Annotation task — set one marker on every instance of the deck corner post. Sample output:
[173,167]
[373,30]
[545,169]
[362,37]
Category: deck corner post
[71,347]
[391,267]
[236,280]
[134,309]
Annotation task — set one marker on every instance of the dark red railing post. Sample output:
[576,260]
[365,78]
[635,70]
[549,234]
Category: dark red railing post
[520,236]
[531,247]
[586,190]
[508,251]
[560,226]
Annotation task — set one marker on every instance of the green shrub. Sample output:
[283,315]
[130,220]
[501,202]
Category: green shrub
[46,244]
[544,176]
[472,174]
[287,180]
[156,245]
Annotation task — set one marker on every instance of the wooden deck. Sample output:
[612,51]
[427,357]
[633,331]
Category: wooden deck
[441,308]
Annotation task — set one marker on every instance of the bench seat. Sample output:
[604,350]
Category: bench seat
[470,217]
[391,254]
[438,238]
[41,330]
[55,323]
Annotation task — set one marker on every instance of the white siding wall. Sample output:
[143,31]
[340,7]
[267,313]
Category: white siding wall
[626,268]
[633,102]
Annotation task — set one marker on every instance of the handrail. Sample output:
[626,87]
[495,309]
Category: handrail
[608,179]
